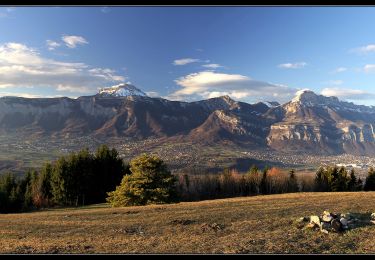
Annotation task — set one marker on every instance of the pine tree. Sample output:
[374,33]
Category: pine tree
[359,185]
[321,180]
[264,189]
[253,170]
[59,181]
[370,180]
[150,182]
[292,184]
[108,171]
[353,182]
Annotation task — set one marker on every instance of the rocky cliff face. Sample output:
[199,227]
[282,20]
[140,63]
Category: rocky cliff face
[323,124]
[308,123]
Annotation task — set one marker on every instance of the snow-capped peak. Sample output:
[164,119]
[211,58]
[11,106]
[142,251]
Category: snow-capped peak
[122,90]
[303,94]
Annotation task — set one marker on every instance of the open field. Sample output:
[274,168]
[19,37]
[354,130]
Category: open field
[261,224]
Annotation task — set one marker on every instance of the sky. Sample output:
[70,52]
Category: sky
[189,53]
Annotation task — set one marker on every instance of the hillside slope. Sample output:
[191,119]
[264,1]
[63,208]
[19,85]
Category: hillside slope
[262,224]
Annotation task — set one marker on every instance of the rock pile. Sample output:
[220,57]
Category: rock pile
[332,222]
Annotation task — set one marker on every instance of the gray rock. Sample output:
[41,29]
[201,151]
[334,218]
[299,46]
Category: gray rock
[336,225]
[373,216]
[325,226]
[344,221]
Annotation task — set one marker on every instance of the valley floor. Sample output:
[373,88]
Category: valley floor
[261,224]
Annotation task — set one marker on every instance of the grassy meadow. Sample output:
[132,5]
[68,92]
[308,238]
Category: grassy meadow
[259,224]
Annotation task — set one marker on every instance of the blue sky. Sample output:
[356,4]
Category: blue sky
[189,53]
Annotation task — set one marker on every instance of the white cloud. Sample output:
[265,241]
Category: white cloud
[368,68]
[25,95]
[21,66]
[207,84]
[296,65]
[364,49]
[152,94]
[52,45]
[184,61]
[71,41]
[106,74]
[212,66]
[76,89]
[350,94]
[340,69]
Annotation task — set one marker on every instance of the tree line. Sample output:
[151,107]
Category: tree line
[231,183]
[84,178]
[76,179]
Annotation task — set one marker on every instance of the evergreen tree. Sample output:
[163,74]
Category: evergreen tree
[8,194]
[339,179]
[264,189]
[109,170]
[292,184]
[42,193]
[359,185]
[59,182]
[150,182]
[253,170]
[353,182]
[370,180]
[321,180]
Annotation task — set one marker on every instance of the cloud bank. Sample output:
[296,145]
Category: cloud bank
[22,66]
[348,94]
[209,84]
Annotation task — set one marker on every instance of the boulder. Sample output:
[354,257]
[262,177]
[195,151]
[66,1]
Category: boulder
[336,225]
[373,216]
[325,226]
[344,221]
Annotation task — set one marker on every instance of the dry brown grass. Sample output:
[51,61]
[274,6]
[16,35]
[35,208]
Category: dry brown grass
[261,224]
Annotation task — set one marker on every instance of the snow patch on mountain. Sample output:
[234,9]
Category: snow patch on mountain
[122,90]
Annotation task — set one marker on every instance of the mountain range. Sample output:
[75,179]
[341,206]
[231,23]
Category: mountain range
[308,123]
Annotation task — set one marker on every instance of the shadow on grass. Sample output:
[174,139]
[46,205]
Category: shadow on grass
[361,220]
[92,206]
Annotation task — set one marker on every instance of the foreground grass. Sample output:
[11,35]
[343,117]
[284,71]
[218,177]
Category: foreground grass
[261,224]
